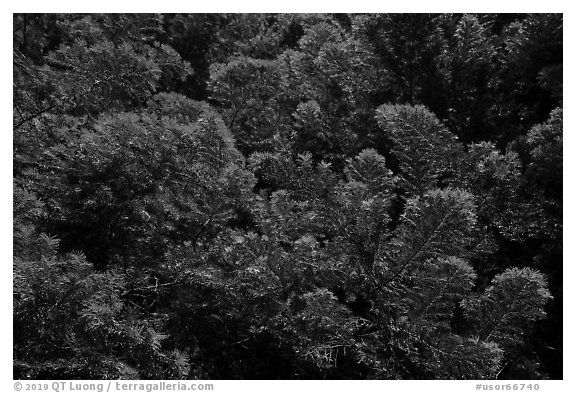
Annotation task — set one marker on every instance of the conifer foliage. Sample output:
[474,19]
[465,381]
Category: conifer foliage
[285,198]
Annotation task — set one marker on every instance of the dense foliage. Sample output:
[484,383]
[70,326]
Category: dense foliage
[287,196]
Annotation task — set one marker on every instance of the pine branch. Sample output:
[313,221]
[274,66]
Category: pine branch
[147,288]
[32,117]
[416,252]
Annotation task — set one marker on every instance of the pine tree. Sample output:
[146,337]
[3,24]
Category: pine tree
[71,322]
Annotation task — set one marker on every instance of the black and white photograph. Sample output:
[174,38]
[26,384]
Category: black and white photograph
[287,196]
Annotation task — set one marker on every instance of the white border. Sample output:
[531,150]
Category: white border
[298,6]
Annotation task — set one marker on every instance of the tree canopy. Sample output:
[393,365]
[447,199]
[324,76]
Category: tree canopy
[263,196]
